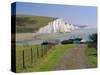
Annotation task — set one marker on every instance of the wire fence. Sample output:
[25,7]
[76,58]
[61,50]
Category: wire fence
[30,57]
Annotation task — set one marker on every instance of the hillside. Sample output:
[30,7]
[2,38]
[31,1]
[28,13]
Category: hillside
[29,23]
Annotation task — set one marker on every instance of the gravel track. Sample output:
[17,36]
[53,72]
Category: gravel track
[74,58]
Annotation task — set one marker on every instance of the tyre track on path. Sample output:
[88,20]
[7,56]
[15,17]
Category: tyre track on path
[75,58]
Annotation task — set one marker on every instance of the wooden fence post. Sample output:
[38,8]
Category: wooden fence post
[37,52]
[31,56]
[23,60]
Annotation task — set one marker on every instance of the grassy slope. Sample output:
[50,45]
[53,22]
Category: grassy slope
[92,57]
[52,58]
[29,23]
[27,51]
[45,63]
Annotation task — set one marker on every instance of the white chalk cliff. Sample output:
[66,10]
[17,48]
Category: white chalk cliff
[57,26]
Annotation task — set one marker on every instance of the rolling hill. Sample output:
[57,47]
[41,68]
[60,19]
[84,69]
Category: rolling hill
[29,23]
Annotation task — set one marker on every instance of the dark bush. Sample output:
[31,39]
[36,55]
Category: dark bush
[45,43]
[93,39]
[67,41]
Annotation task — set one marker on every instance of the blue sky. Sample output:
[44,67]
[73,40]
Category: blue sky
[79,15]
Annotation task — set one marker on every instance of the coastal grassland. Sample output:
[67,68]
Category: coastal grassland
[52,58]
[29,60]
[92,56]
[30,23]
[45,63]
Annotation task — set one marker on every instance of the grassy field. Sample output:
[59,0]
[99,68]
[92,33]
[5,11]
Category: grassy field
[39,62]
[92,56]
[29,23]
[32,54]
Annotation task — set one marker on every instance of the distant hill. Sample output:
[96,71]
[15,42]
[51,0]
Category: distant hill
[29,23]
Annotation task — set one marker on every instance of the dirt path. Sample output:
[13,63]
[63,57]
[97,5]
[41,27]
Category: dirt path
[74,59]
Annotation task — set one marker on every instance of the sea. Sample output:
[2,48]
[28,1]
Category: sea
[83,33]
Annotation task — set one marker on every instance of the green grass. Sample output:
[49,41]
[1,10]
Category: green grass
[52,58]
[29,23]
[27,56]
[92,56]
[45,63]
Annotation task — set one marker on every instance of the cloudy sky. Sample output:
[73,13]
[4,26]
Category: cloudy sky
[79,15]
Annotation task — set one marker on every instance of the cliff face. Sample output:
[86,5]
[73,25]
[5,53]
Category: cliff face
[57,26]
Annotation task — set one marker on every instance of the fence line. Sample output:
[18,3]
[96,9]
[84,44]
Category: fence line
[36,53]
[23,60]
[31,56]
